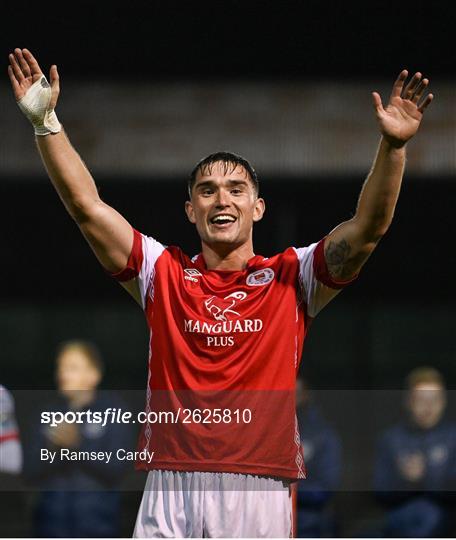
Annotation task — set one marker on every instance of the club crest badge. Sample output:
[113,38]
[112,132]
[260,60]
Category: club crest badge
[260,277]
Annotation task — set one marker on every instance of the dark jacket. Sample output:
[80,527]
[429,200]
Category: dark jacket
[79,498]
[436,445]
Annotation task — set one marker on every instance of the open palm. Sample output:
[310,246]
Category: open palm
[24,71]
[401,118]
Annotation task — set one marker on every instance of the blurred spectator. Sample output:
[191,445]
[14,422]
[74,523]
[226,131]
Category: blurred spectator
[12,507]
[77,497]
[10,446]
[415,468]
[322,455]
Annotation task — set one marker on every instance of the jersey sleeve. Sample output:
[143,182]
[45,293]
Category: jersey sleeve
[140,268]
[318,286]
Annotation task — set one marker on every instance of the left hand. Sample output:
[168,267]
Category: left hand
[412,467]
[65,435]
[401,118]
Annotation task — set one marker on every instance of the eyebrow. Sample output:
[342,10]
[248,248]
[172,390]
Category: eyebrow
[210,183]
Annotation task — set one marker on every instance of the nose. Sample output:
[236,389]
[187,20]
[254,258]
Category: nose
[223,198]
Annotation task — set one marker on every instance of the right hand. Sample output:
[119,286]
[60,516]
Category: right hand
[64,435]
[412,466]
[24,70]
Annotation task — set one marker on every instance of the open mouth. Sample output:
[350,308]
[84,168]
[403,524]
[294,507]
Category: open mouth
[222,220]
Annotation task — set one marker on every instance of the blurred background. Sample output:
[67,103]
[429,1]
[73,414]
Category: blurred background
[149,88]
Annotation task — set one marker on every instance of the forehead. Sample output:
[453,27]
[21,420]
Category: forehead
[222,170]
[428,386]
[427,391]
[72,356]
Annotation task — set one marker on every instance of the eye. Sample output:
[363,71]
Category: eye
[206,192]
[236,191]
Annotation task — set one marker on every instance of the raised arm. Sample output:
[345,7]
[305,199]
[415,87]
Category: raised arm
[350,244]
[108,233]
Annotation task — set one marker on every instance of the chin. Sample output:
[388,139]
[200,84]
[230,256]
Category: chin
[222,238]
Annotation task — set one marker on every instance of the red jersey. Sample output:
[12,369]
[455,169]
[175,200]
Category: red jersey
[226,344]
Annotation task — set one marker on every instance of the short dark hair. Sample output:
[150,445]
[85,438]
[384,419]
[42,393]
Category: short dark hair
[230,161]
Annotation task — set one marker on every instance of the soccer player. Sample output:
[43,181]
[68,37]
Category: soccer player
[227,320]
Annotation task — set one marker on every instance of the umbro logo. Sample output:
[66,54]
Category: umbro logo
[192,274]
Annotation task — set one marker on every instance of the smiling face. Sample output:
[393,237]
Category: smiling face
[224,205]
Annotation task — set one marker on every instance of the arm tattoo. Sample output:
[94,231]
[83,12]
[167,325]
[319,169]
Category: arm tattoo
[337,256]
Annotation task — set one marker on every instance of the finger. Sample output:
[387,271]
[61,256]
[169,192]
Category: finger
[34,66]
[54,77]
[16,69]
[409,90]
[23,63]
[14,83]
[18,91]
[426,103]
[55,86]
[377,102]
[399,83]
[419,90]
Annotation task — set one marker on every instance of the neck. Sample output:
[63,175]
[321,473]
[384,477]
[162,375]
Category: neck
[223,257]
[80,398]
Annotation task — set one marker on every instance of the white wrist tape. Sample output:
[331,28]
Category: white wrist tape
[35,106]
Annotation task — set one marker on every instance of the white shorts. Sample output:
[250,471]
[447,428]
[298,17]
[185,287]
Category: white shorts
[213,505]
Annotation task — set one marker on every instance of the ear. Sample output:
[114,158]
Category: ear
[259,209]
[190,212]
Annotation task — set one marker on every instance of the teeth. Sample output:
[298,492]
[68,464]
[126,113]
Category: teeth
[223,218]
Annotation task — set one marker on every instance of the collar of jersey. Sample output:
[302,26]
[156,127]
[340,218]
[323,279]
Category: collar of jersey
[200,264]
